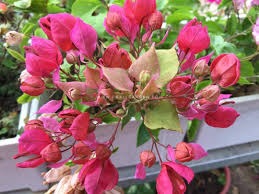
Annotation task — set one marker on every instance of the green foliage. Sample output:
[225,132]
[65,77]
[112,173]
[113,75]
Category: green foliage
[146,188]
[143,134]
[131,111]
[162,115]
[193,127]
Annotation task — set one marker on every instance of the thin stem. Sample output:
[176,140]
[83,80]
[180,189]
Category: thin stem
[68,75]
[111,140]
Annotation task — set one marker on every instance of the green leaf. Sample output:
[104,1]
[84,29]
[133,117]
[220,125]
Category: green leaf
[16,55]
[232,24]
[247,69]
[168,63]
[24,98]
[143,135]
[85,9]
[117,2]
[115,150]
[161,4]
[202,84]
[79,106]
[109,119]
[243,81]
[193,127]
[163,115]
[220,46]
[39,32]
[23,4]
[179,15]
[130,113]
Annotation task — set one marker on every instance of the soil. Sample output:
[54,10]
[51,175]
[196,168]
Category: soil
[244,180]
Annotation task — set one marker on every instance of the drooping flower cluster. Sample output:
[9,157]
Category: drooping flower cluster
[96,82]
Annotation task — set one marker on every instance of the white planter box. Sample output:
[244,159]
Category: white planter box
[13,178]
[233,145]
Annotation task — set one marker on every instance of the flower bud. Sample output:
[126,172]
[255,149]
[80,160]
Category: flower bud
[201,69]
[211,93]
[72,57]
[114,56]
[120,112]
[144,77]
[103,152]
[113,20]
[13,38]
[68,113]
[147,158]
[51,153]
[3,8]
[33,86]
[155,20]
[81,150]
[34,124]
[193,37]
[225,70]
[24,75]
[184,152]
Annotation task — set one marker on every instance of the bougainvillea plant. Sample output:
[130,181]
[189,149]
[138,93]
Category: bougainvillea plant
[128,78]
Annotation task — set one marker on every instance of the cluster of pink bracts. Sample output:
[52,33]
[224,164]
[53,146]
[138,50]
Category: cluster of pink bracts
[117,74]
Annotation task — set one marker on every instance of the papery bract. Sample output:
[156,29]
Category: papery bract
[117,24]
[50,107]
[42,57]
[114,56]
[147,158]
[140,172]
[169,180]
[184,152]
[33,86]
[198,151]
[58,28]
[92,77]
[225,70]
[84,37]
[34,124]
[193,37]
[223,117]
[79,127]
[51,153]
[13,38]
[139,9]
[98,176]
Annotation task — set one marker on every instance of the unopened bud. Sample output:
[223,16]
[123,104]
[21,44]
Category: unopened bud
[33,86]
[113,20]
[34,124]
[75,94]
[3,8]
[144,77]
[72,57]
[24,75]
[184,152]
[155,20]
[201,69]
[51,153]
[13,38]
[103,152]
[120,112]
[211,93]
[81,150]
[147,158]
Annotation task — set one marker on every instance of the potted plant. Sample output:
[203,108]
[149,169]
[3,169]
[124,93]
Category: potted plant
[116,84]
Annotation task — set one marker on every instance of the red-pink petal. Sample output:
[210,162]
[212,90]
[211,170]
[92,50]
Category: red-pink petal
[84,37]
[182,170]
[140,172]
[118,78]
[50,107]
[31,163]
[199,152]
[163,182]
[80,126]
[171,153]
[50,124]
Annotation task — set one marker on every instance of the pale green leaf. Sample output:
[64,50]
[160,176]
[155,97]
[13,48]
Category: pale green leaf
[16,55]
[168,62]
[162,114]
[23,4]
